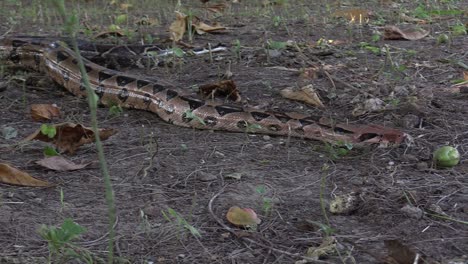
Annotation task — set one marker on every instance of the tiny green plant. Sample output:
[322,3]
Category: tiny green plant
[277,21]
[50,151]
[267,202]
[237,48]
[459,29]
[48,130]
[337,150]
[277,45]
[59,239]
[115,110]
[172,216]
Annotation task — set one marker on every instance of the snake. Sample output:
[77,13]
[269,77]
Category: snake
[173,104]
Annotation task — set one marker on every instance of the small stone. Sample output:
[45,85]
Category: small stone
[411,121]
[219,154]
[274,53]
[206,177]
[268,146]
[266,137]
[436,208]
[421,166]
[410,158]
[31,195]
[401,90]
[464,89]
[411,211]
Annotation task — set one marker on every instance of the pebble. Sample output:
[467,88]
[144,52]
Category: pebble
[411,121]
[422,166]
[411,211]
[268,146]
[266,137]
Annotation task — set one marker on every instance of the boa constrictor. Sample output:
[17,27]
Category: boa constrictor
[171,104]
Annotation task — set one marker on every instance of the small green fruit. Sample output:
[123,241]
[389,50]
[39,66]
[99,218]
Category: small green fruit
[446,156]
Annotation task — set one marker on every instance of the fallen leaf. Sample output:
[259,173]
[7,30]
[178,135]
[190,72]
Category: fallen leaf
[402,254]
[226,88]
[412,19]
[59,163]
[395,33]
[70,136]
[242,217]
[178,27]
[327,247]
[202,28]
[11,175]
[111,33]
[307,94]
[310,73]
[43,112]
[217,8]
[354,15]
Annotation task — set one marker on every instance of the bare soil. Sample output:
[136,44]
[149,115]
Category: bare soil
[281,178]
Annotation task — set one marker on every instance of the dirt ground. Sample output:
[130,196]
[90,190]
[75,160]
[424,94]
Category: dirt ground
[398,194]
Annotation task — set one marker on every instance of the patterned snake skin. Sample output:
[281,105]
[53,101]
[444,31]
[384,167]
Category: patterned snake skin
[117,88]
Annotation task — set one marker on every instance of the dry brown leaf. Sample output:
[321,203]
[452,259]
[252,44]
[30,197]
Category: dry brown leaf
[43,112]
[394,33]
[178,27]
[11,175]
[226,88]
[412,19]
[111,33]
[307,94]
[401,254]
[202,28]
[310,73]
[70,136]
[356,15]
[242,217]
[59,163]
[217,8]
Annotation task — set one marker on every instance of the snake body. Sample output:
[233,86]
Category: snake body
[171,104]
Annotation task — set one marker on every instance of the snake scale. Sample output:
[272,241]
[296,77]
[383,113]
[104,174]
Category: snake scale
[60,63]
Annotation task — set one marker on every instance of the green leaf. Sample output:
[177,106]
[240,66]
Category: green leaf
[50,152]
[48,130]
[277,45]
[121,19]
[178,52]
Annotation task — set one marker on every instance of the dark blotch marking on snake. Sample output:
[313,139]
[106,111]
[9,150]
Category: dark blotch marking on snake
[194,103]
[158,88]
[147,99]
[242,124]
[210,121]
[282,117]
[259,116]
[61,56]
[171,94]
[104,76]
[227,109]
[141,83]
[124,80]
[123,94]
[305,122]
[66,76]
[100,91]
